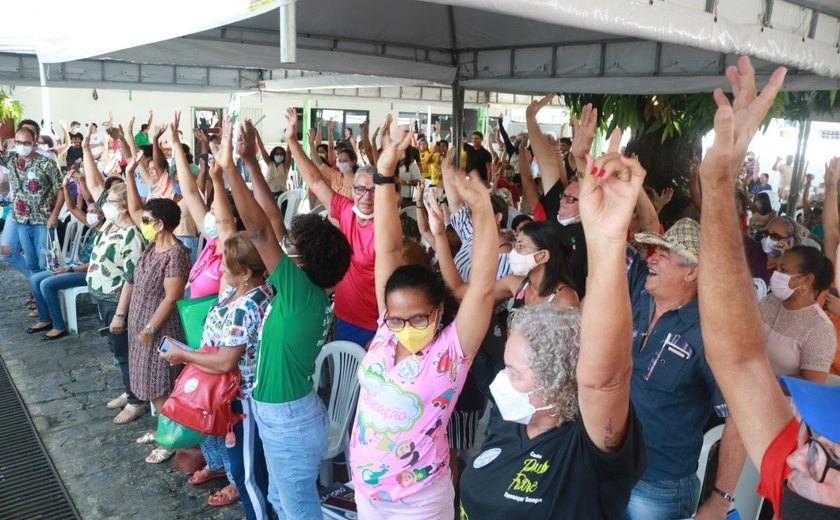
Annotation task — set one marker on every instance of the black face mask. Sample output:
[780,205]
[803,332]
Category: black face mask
[795,507]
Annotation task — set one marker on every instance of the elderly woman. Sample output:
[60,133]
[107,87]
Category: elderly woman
[570,445]
[159,281]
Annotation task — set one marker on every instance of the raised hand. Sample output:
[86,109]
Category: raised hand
[436,222]
[63,125]
[584,133]
[131,126]
[665,197]
[199,135]
[469,186]
[291,126]
[391,153]
[159,130]
[312,134]
[736,123]
[224,154]
[832,172]
[536,106]
[609,190]
[248,140]
[173,127]
[331,125]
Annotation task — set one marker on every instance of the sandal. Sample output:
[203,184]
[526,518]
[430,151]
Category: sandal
[224,497]
[147,438]
[159,455]
[205,474]
[129,413]
[118,402]
[33,314]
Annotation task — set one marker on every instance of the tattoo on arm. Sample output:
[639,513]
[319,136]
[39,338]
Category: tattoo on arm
[612,438]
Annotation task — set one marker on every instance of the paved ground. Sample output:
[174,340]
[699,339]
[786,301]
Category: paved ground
[65,384]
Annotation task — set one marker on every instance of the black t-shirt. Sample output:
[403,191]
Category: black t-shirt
[579,264]
[73,154]
[551,201]
[560,474]
[477,160]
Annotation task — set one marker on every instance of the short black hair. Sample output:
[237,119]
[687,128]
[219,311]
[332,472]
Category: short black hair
[566,140]
[147,150]
[479,134]
[27,130]
[75,123]
[30,122]
[422,278]
[812,261]
[186,148]
[519,219]
[143,127]
[324,249]
[350,153]
[166,210]
[410,229]
[499,206]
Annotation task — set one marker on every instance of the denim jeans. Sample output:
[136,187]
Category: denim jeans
[247,463]
[11,241]
[215,454]
[294,437]
[664,499]
[119,346]
[33,241]
[45,286]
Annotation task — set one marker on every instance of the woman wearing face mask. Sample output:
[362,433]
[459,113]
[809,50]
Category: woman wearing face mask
[205,274]
[159,280]
[277,165]
[46,284]
[417,362]
[780,236]
[570,445]
[800,338]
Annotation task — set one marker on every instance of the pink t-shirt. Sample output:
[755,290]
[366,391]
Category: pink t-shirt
[206,275]
[399,444]
[355,294]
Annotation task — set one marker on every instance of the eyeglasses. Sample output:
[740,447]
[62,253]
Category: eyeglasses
[115,202]
[569,199]
[285,242]
[419,321]
[361,190]
[819,461]
[23,143]
[148,220]
[776,237]
[519,245]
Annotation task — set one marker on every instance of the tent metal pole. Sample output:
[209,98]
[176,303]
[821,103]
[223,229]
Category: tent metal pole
[288,33]
[458,121]
[798,167]
[46,124]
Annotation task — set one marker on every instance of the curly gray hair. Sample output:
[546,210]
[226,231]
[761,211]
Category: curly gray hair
[553,336]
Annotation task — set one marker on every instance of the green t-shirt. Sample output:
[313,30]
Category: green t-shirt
[293,332]
[141,139]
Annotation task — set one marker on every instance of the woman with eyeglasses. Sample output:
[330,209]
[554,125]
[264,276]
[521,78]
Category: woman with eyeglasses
[159,280]
[417,362]
[800,338]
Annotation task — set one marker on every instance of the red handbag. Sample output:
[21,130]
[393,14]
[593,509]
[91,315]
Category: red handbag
[202,401]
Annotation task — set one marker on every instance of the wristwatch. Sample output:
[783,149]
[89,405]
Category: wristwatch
[70,269]
[379,179]
[150,330]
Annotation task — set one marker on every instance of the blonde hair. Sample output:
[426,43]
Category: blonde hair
[241,254]
[119,189]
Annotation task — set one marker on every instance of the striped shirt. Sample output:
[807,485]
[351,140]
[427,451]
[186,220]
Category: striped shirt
[463,226]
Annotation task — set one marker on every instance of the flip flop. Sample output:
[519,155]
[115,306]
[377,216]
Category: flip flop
[130,413]
[224,497]
[205,474]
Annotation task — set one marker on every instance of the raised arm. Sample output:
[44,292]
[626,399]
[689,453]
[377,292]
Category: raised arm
[135,202]
[453,198]
[735,348]
[583,136]
[544,152]
[189,189]
[831,216]
[509,147]
[71,203]
[648,216]
[476,308]
[330,142]
[367,145]
[158,158]
[262,193]
[225,221]
[92,176]
[311,174]
[65,143]
[268,159]
[530,193]
[129,138]
[607,199]
[387,231]
[253,217]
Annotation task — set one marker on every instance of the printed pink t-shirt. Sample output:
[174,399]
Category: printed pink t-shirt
[355,296]
[399,444]
[206,275]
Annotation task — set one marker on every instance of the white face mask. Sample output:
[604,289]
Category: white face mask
[343,167]
[780,285]
[22,150]
[568,221]
[92,219]
[210,225]
[520,264]
[110,211]
[361,215]
[43,147]
[514,405]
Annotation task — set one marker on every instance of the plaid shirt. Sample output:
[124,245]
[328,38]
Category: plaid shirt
[35,183]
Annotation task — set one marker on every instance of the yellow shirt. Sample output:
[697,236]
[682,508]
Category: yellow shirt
[424,166]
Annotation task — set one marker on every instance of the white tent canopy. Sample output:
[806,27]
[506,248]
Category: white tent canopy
[528,46]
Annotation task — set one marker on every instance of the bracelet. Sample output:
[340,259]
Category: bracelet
[119,315]
[726,496]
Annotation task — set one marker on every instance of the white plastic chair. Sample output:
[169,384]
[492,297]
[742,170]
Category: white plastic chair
[72,240]
[293,199]
[344,358]
[747,500]
[832,380]
[411,211]
[67,298]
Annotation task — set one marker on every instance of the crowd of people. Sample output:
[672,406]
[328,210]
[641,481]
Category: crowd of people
[606,344]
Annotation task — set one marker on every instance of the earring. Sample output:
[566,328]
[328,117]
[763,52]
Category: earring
[247,278]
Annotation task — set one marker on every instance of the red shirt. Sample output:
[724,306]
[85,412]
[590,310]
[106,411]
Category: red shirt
[355,294]
[774,468]
[539,213]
